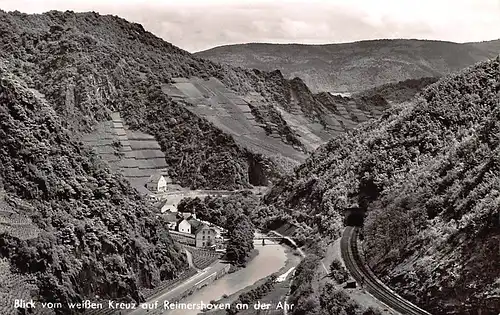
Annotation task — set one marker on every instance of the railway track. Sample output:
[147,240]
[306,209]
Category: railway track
[374,286]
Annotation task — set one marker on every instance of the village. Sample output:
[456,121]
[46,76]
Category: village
[138,156]
[184,227]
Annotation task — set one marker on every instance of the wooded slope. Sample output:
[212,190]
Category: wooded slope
[428,173]
[96,236]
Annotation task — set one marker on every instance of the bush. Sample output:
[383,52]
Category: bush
[338,272]
[372,311]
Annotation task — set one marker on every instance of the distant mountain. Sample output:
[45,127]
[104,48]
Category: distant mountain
[428,174]
[492,46]
[357,66]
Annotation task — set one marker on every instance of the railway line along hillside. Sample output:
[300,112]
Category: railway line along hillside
[427,174]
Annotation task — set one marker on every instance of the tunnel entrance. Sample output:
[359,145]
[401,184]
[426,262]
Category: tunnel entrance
[256,173]
[354,217]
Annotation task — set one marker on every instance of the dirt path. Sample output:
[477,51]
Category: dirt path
[190,259]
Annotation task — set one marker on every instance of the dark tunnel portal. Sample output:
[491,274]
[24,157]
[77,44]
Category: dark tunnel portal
[256,173]
[354,217]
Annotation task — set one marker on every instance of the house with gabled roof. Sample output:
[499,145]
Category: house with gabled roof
[195,231]
[184,226]
[205,236]
[175,218]
[158,183]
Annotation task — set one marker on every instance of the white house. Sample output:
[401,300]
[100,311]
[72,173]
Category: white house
[157,183]
[184,226]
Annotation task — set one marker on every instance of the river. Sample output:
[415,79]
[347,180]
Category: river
[271,259]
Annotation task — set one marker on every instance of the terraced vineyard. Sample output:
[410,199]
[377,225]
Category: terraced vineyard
[211,100]
[247,118]
[135,154]
[202,258]
[15,286]
[16,224]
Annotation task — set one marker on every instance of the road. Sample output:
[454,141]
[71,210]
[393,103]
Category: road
[171,295]
[173,197]
[183,287]
[373,285]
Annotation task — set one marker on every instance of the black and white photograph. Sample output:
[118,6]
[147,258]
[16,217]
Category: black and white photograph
[250,157]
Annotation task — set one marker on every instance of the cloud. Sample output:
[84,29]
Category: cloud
[200,24]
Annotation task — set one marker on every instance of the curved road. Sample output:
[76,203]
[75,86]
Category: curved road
[353,262]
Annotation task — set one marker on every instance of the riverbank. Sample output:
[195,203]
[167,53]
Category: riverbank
[254,253]
[209,285]
[278,294]
[271,259]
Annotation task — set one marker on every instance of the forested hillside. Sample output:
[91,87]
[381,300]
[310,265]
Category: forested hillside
[87,232]
[399,92]
[357,66]
[428,174]
[68,224]
[88,65]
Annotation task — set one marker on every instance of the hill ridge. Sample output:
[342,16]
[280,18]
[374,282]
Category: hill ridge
[350,67]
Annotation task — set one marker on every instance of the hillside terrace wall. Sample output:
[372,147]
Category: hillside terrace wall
[183,238]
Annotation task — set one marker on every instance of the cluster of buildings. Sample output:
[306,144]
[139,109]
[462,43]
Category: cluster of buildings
[185,228]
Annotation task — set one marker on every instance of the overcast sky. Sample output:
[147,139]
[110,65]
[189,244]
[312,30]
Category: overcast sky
[201,24]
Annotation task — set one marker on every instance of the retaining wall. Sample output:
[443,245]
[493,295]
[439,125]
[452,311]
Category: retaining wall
[183,238]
